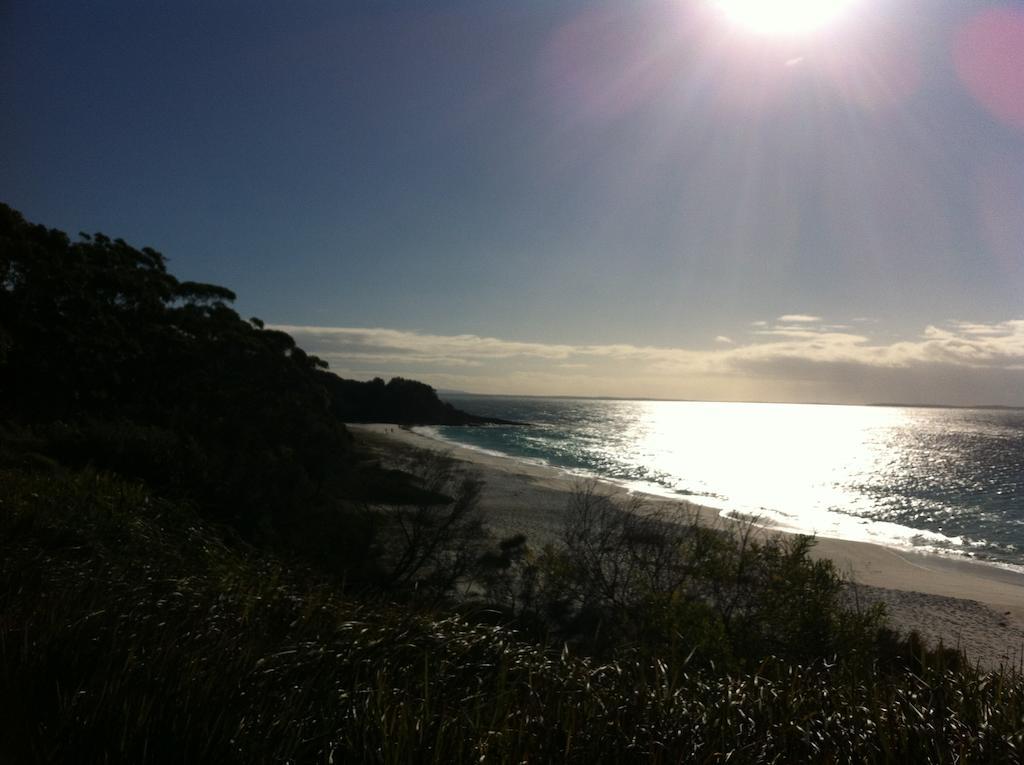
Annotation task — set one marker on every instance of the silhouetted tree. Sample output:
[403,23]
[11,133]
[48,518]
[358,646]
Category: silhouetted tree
[126,365]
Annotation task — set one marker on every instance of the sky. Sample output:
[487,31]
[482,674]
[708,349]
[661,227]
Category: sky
[650,198]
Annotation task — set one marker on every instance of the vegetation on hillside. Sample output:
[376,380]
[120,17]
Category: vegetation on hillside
[131,633]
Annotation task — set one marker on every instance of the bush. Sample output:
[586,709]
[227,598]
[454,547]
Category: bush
[659,581]
[435,544]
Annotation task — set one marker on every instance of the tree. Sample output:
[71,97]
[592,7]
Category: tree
[436,543]
[127,366]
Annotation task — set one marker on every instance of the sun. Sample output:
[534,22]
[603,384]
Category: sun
[782,17]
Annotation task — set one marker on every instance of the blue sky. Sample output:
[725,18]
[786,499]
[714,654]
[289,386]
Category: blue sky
[604,198]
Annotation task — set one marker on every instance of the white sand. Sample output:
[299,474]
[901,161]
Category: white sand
[961,602]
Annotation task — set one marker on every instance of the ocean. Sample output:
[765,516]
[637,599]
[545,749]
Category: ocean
[940,480]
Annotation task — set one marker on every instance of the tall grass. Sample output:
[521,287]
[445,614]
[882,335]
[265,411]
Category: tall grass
[130,632]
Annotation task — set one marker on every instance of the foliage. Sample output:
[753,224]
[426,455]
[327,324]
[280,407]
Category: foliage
[113,361]
[661,582]
[129,633]
[432,545]
[422,542]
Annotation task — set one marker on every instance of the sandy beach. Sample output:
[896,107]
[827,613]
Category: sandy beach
[963,603]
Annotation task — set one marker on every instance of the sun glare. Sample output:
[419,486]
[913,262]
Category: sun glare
[782,17]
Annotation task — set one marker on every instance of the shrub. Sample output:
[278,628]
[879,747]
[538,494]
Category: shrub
[434,544]
[660,581]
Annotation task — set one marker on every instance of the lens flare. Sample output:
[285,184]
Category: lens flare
[782,17]
[989,57]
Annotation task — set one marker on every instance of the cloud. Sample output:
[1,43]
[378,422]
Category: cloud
[810,333]
[977,329]
[789,361]
[799,318]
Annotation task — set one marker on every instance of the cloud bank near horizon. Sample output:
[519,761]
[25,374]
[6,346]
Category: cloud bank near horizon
[796,357]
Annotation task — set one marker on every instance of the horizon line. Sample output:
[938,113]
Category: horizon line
[564,396]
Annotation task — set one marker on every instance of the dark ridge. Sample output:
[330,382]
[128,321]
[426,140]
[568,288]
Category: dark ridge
[399,401]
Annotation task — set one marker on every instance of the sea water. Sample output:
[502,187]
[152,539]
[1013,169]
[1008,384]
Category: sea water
[941,480]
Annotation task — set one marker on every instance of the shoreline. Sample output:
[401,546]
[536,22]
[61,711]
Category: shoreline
[970,604]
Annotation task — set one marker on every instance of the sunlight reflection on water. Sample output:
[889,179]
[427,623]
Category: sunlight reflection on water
[941,479]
